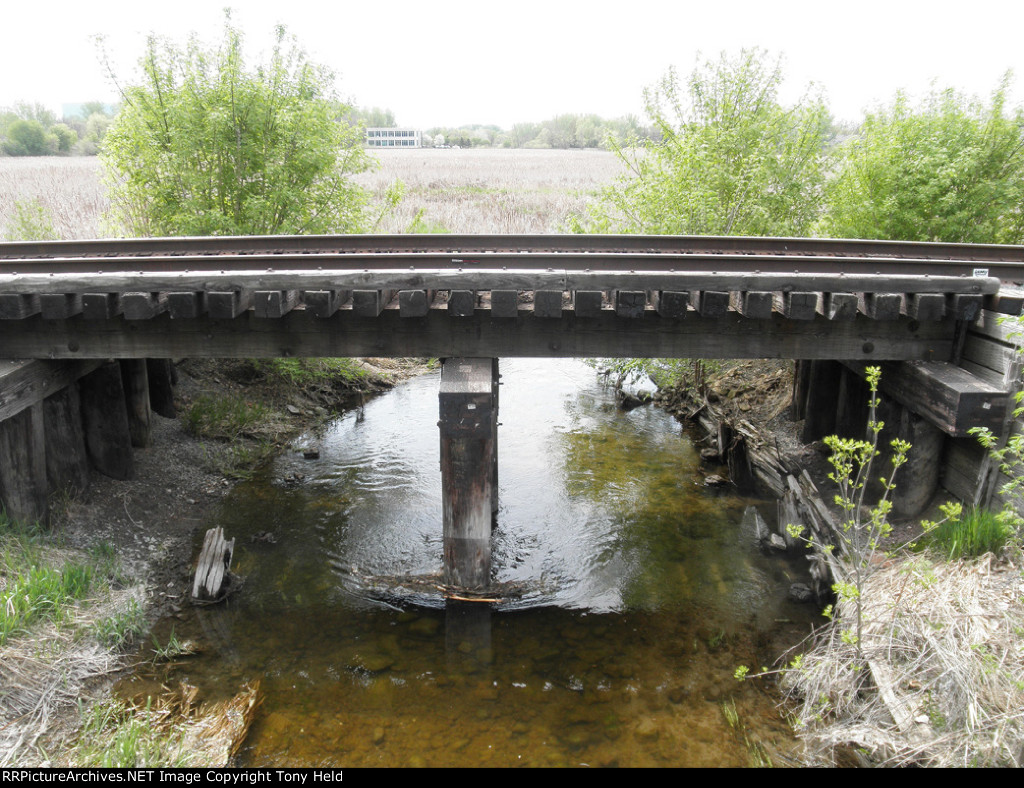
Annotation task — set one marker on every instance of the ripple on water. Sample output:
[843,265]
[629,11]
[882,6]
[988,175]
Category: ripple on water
[633,595]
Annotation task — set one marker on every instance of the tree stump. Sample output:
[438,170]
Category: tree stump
[213,567]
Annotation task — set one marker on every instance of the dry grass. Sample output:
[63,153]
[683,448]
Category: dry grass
[944,683]
[489,190]
[45,675]
[171,730]
[458,191]
[69,189]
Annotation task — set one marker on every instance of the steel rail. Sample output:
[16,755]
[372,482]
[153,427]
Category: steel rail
[633,262]
[1012,256]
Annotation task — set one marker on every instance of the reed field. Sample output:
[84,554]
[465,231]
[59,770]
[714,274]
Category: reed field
[444,190]
[69,190]
[484,190]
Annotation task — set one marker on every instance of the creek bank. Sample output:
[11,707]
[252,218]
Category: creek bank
[150,522]
[193,462]
[743,413]
[889,697]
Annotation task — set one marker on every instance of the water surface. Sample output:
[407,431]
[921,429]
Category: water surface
[633,594]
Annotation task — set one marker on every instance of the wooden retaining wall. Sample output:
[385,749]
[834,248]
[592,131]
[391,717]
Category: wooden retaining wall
[932,405]
[991,353]
[60,419]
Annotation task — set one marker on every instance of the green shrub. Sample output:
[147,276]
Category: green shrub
[974,533]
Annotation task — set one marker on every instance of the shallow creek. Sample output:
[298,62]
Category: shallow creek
[634,593]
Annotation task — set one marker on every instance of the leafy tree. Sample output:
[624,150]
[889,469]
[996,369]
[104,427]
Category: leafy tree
[370,117]
[950,170]
[37,112]
[205,145]
[65,136]
[733,160]
[28,138]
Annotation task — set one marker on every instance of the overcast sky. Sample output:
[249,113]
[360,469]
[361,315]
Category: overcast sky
[451,63]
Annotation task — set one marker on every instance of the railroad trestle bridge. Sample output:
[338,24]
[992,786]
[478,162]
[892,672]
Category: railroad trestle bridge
[65,307]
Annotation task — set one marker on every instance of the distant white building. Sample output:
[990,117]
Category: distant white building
[394,138]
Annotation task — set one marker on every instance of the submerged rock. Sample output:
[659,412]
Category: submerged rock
[801,592]
[636,390]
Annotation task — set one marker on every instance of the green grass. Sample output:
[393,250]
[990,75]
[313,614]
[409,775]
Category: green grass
[312,371]
[33,589]
[174,647]
[40,583]
[224,417]
[976,532]
[121,629]
[117,735]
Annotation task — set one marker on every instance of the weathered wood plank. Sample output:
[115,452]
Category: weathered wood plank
[23,482]
[67,464]
[547,304]
[752,305]
[984,374]
[105,422]
[228,304]
[58,306]
[414,303]
[958,484]
[588,303]
[24,383]
[881,306]
[135,380]
[505,303]
[947,395]
[671,304]
[186,305]
[797,305]
[1008,301]
[852,405]
[461,303]
[988,353]
[822,395]
[1001,327]
[160,378]
[711,303]
[926,306]
[839,306]
[801,382]
[274,303]
[483,279]
[370,303]
[213,566]
[629,303]
[324,303]
[962,467]
[467,425]
[964,306]
[15,306]
[918,478]
[300,333]
[100,306]
[143,306]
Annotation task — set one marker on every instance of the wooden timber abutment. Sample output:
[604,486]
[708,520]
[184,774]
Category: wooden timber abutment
[70,310]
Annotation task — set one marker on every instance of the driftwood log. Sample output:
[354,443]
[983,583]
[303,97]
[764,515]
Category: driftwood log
[213,567]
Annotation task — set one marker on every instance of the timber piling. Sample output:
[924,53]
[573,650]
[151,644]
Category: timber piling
[59,419]
[469,411]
